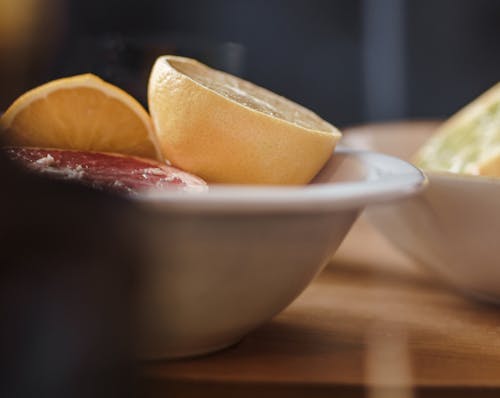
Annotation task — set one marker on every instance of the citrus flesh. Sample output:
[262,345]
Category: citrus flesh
[105,171]
[228,130]
[468,142]
[81,113]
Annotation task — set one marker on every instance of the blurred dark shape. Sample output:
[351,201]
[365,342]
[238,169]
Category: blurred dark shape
[31,32]
[126,61]
[384,56]
[351,61]
[453,53]
[67,260]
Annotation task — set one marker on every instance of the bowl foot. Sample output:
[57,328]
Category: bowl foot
[182,353]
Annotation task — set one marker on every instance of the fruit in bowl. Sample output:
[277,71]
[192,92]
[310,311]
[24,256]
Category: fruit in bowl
[82,113]
[223,259]
[452,228]
[105,171]
[469,141]
[228,130]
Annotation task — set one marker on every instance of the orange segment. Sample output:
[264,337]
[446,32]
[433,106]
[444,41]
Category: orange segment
[82,113]
[228,130]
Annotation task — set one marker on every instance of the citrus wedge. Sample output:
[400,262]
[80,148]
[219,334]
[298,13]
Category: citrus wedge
[228,130]
[81,113]
[468,142]
[105,171]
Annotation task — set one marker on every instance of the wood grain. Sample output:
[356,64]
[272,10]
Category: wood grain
[373,323]
[322,342]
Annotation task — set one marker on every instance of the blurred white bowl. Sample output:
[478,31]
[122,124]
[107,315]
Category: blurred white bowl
[453,227]
[227,260]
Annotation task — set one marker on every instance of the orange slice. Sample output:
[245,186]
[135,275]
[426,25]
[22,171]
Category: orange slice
[81,113]
[228,130]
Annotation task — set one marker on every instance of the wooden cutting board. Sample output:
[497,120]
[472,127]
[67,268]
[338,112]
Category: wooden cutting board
[372,324]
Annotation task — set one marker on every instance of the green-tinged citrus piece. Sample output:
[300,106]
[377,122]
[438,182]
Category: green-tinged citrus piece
[468,142]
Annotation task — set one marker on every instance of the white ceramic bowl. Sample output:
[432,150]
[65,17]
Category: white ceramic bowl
[227,260]
[453,227]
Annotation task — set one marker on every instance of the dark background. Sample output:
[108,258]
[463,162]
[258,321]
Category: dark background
[351,61]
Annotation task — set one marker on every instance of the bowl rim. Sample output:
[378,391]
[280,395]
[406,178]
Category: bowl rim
[438,175]
[400,127]
[387,178]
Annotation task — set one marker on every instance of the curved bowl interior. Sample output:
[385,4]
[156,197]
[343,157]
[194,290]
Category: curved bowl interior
[452,227]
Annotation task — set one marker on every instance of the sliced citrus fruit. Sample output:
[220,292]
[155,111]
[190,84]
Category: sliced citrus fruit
[83,113]
[468,142]
[228,130]
[105,171]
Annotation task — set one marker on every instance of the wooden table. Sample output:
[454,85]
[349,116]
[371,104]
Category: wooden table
[372,324]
